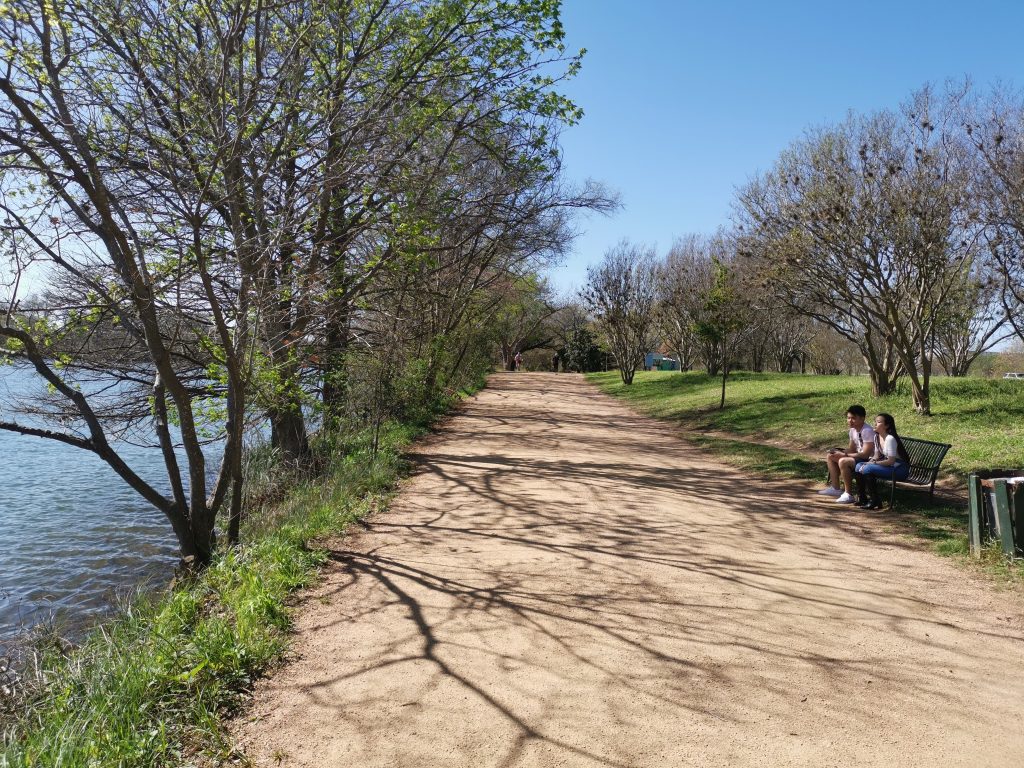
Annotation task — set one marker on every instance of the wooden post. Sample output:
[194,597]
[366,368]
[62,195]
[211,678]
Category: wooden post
[974,525]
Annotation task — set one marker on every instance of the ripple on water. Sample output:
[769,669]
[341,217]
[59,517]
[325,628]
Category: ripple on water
[72,534]
[75,559]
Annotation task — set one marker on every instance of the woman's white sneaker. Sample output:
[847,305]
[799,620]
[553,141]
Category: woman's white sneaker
[845,498]
[830,491]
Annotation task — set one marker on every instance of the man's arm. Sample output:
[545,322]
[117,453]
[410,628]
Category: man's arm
[866,453]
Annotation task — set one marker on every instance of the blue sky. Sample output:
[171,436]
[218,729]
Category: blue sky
[685,101]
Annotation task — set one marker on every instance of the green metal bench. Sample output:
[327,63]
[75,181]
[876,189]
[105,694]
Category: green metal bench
[925,459]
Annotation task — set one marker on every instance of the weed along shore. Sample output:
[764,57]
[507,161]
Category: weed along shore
[779,425]
[153,686]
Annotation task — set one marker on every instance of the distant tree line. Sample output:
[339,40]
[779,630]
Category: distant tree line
[893,240]
[215,213]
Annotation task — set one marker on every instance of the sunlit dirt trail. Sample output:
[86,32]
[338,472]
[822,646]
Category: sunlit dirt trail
[565,583]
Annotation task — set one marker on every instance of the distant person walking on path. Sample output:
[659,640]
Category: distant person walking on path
[890,461]
[554,362]
[841,463]
[519,361]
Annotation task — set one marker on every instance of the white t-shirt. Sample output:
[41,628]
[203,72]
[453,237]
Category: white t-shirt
[864,435]
[889,449]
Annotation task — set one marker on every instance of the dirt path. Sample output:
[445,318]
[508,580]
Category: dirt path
[563,583]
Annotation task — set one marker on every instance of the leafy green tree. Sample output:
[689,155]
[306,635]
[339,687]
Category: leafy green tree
[724,317]
[582,354]
[519,323]
[248,191]
[77,157]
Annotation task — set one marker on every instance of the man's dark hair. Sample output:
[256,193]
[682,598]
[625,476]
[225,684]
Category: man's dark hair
[857,410]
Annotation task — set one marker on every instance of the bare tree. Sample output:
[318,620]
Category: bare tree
[831,354]
[677,298]
[787,332]
[995,128]
[973,321]
[685,280]
[808,226]
[620,293]
[870,227]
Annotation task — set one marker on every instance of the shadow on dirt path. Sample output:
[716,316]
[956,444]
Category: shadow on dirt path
[564,583]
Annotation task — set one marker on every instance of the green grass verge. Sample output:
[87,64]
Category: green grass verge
[802,415]
[983,420]
[151,687]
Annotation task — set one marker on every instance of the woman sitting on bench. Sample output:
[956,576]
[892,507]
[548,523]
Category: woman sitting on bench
[890,462]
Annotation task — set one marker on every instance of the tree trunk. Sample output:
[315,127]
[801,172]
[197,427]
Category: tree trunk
[508,357]
[725,373]
[627,372]
[234,469]
[883,382]
[921,389]
[335,383]
[205,537]
[288,435]
[881,366]
[235,515]
[190,550]
[922,399]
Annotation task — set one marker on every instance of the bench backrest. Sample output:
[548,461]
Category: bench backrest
[925,458]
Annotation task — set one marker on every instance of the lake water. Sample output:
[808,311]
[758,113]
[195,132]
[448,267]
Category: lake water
[73,535]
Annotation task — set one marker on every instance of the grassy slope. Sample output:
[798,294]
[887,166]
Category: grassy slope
[151,687]
[782,422]
[983,420]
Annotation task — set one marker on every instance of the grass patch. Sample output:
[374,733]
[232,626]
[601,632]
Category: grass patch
[983,420]
[152,686]
[759,458]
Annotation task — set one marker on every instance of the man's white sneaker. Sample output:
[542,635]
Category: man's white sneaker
[845,498]
[830,491]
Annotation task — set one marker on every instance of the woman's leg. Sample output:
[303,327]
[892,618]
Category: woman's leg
[874,471]
[872,483]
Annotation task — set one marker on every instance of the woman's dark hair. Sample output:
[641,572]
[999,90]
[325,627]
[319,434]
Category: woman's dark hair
[890,424]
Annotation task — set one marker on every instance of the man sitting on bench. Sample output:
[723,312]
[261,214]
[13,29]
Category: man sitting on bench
[842,462]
